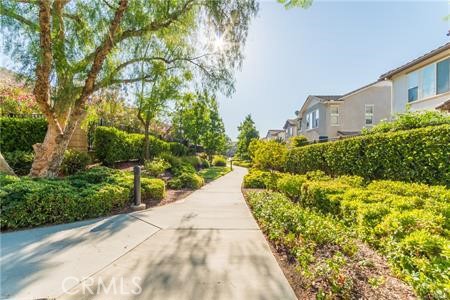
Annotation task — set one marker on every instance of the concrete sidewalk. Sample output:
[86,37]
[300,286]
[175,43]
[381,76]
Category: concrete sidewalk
[206,246]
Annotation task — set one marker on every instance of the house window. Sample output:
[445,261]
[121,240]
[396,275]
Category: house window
[443,76]
[428,84]
[334,115]
[315,118]
[413,86]
[308,121]
[368,114]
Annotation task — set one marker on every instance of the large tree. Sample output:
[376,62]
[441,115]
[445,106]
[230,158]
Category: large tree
[247,133]
[214,140]
[74,48]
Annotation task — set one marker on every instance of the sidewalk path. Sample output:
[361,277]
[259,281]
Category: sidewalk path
[206,246]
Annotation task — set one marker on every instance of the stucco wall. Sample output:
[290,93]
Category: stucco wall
[352,110]
[313,134]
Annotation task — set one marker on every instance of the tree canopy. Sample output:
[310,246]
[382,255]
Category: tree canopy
[75,48]
[247,133]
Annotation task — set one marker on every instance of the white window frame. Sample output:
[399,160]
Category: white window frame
[334,115]
[366,114]
[308,121]
[316,119]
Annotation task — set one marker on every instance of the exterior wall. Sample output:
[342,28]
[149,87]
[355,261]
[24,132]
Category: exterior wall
[400,89]
[79,140]
[321,130]
[293,130]
[352,110]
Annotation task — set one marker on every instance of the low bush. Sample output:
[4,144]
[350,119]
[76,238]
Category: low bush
[74,161]
[410,120]
[391,216]
[186,181]
[305,234]
[153,189]
[257,179]
[19,161]
[113,145]
[298,141]
[100,191]
[20,134]
[417,155]
[219,161]
[178,149]
[156,167]
[194,161]
[242,163]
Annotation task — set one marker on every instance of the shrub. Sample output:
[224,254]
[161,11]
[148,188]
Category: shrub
[156,167]
[305,234]
[97,192]
[74,161]
[151,188]
[113,145]
[268,155]
[194,161]
[186,180]
[205,163]
[257,179]
[6,179]
[418,155]
[242,163]
[20,134]
[219,161]
[178,149]
[298,141]
[291,185]
[410,120]
[19,161]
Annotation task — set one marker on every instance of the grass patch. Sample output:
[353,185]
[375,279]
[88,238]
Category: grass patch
[213,173]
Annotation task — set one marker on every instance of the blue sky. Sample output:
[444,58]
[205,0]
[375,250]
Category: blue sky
[330,48]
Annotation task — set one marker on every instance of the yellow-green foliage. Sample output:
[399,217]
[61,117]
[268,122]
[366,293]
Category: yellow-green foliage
[257,179]
[268,155]
[392,217]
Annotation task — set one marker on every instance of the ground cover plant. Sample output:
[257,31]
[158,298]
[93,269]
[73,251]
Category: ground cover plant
[327,255]
[100,191]
[407,222]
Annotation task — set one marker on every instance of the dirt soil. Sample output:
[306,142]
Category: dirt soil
[366,264]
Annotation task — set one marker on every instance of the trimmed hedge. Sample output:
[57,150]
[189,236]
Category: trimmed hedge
[186,181]
[100,191]
[417,155]
[113,145]
[20,134]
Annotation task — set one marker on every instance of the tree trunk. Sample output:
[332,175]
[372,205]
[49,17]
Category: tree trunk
[50,153]
[4,166]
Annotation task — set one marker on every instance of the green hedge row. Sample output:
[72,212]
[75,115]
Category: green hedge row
[20,134]
[418,155]
[100,191]
[113,145]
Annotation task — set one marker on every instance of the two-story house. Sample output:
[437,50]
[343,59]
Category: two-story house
[290,127]
[423,83]
[330,117]
[275,134]
[313,116]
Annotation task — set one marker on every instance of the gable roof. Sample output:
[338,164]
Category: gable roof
[321,98]
[413,62]
[290,122]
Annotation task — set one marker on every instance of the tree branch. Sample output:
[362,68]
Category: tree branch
[4,11]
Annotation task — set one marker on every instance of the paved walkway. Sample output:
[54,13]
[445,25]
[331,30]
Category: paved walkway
[206,246]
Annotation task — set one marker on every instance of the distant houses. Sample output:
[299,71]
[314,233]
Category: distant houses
[421,84]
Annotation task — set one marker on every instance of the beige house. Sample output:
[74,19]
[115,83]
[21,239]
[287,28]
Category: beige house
[275,134]
[362,108]
[290,128]
[332,117]
[423,83]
